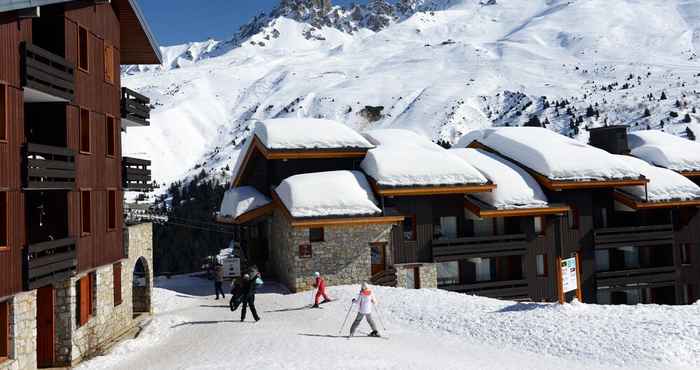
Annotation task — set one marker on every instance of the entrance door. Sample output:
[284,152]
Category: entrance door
[378,251]
[45,328]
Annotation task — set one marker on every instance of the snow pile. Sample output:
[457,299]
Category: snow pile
[555,156]
[238,201]
[307,133]
[664,184]
[665,150]
[515,188]
[404,158]
[328,194]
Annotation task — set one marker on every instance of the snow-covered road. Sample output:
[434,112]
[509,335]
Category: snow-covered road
[425,329]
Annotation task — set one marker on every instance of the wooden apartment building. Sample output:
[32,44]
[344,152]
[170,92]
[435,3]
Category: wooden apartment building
[62,174]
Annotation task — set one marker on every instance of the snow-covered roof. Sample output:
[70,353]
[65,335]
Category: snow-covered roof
[665,150]
[664,185]
[308,134]
[515,187]
[328,194]
[241,200]
[554,156]
[404,158]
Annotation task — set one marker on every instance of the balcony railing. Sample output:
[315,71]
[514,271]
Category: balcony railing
[493,289]
[135,109]
[488,246]
[633,236]
[49,167]
[50,261]
[46,77]
[136,174]
[635,277]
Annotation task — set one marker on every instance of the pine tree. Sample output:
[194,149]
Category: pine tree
[689,134]
[686,118]
[647,113]
[663,96]
[534,121]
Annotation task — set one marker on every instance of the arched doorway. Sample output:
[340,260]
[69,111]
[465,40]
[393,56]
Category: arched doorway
[141,294]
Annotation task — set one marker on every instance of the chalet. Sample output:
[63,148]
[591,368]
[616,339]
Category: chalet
[489,217]
[67,262]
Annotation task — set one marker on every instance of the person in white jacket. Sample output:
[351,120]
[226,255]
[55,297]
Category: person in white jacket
[365,301]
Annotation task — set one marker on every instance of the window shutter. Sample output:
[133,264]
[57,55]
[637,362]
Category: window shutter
[117,284]
[4,330]
[84,299]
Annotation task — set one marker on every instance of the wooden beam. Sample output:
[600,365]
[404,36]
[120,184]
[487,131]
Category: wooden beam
[248,154]
[429,190]
[248,216]
[690,173]
[519,212]
[637,204]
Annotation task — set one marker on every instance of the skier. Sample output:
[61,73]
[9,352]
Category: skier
[218,280]
[320,285]
[365,301]
[250,286]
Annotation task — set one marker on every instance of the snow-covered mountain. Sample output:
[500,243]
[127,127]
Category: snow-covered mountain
[438,67]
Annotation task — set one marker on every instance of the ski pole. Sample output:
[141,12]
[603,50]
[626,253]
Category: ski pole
[381,321]
[346,318]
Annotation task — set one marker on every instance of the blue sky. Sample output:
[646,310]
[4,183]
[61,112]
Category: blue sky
[179,21]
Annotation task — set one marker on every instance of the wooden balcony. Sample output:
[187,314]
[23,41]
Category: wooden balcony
[136,174]
[511,289]
[633,236]
[46,77]
[49,262]
[648,277]
[48,168]
[135,109]
[488,246]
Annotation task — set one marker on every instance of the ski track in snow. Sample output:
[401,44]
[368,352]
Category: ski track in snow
[426,329]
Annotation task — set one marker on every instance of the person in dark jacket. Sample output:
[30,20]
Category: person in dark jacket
[219,280]
[236,289]
[248,291]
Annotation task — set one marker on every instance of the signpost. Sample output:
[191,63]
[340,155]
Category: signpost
[569,277]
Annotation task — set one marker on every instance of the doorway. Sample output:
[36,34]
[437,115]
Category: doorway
[45,327]
[378,253]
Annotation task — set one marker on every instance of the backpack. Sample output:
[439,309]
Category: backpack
[258,281]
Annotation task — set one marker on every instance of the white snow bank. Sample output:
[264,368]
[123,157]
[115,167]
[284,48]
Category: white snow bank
[238,201]
[553,155]
[515,187]
[308,133]
[326,194]
[404,158]
[664,184]
[665,150]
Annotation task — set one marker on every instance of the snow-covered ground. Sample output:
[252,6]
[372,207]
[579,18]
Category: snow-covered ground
[426,329]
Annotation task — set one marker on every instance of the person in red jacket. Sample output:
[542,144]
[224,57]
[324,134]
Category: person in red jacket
[320,285]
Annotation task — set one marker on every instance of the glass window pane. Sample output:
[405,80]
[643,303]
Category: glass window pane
[448,273]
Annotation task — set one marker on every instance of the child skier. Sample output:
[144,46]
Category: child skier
[320,286]
[365,301]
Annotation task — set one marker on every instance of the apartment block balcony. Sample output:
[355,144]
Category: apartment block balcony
[45,77]
[507,289]
[645,277]
[636,236]
[49,262]
[135,109]
[483,246]
[136,174]
[48,167]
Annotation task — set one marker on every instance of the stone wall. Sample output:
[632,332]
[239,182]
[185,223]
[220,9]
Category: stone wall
[22,333]
[427,275]
[140,247]
[342,258]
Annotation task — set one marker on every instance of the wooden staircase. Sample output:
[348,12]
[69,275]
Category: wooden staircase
[385,278]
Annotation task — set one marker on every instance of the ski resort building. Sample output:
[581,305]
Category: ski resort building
[488,217]
[72,275]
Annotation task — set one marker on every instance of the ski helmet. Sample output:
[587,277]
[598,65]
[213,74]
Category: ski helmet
[365,286]
[317,274]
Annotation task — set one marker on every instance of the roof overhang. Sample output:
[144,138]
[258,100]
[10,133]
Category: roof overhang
[639,204]
[409,191]
[690,174]
[559,185]
[483,210]
[251,215]
[333,220]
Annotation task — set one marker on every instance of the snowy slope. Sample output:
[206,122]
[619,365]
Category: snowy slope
[427,329]
[438,67]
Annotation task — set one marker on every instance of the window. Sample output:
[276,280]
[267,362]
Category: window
[409,228]
[85,142]
[541,265]
[685,254]
[3,112]
[111,209]
[86,294]
[448,273]
[4,242]
[4,331]
[85,205]
[111,136]
[574,218]
[109,63]
[540,226]
[448,227]
[117,277]
[305,251]
[316,235]
[83,52]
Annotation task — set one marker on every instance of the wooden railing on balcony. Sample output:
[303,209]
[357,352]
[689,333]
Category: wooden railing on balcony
[633,277]
[48,167]
[50,261]
[46,72]
[493,289]
[387,277]
[135,108]
[633,236]
[136,174]
[487,246]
